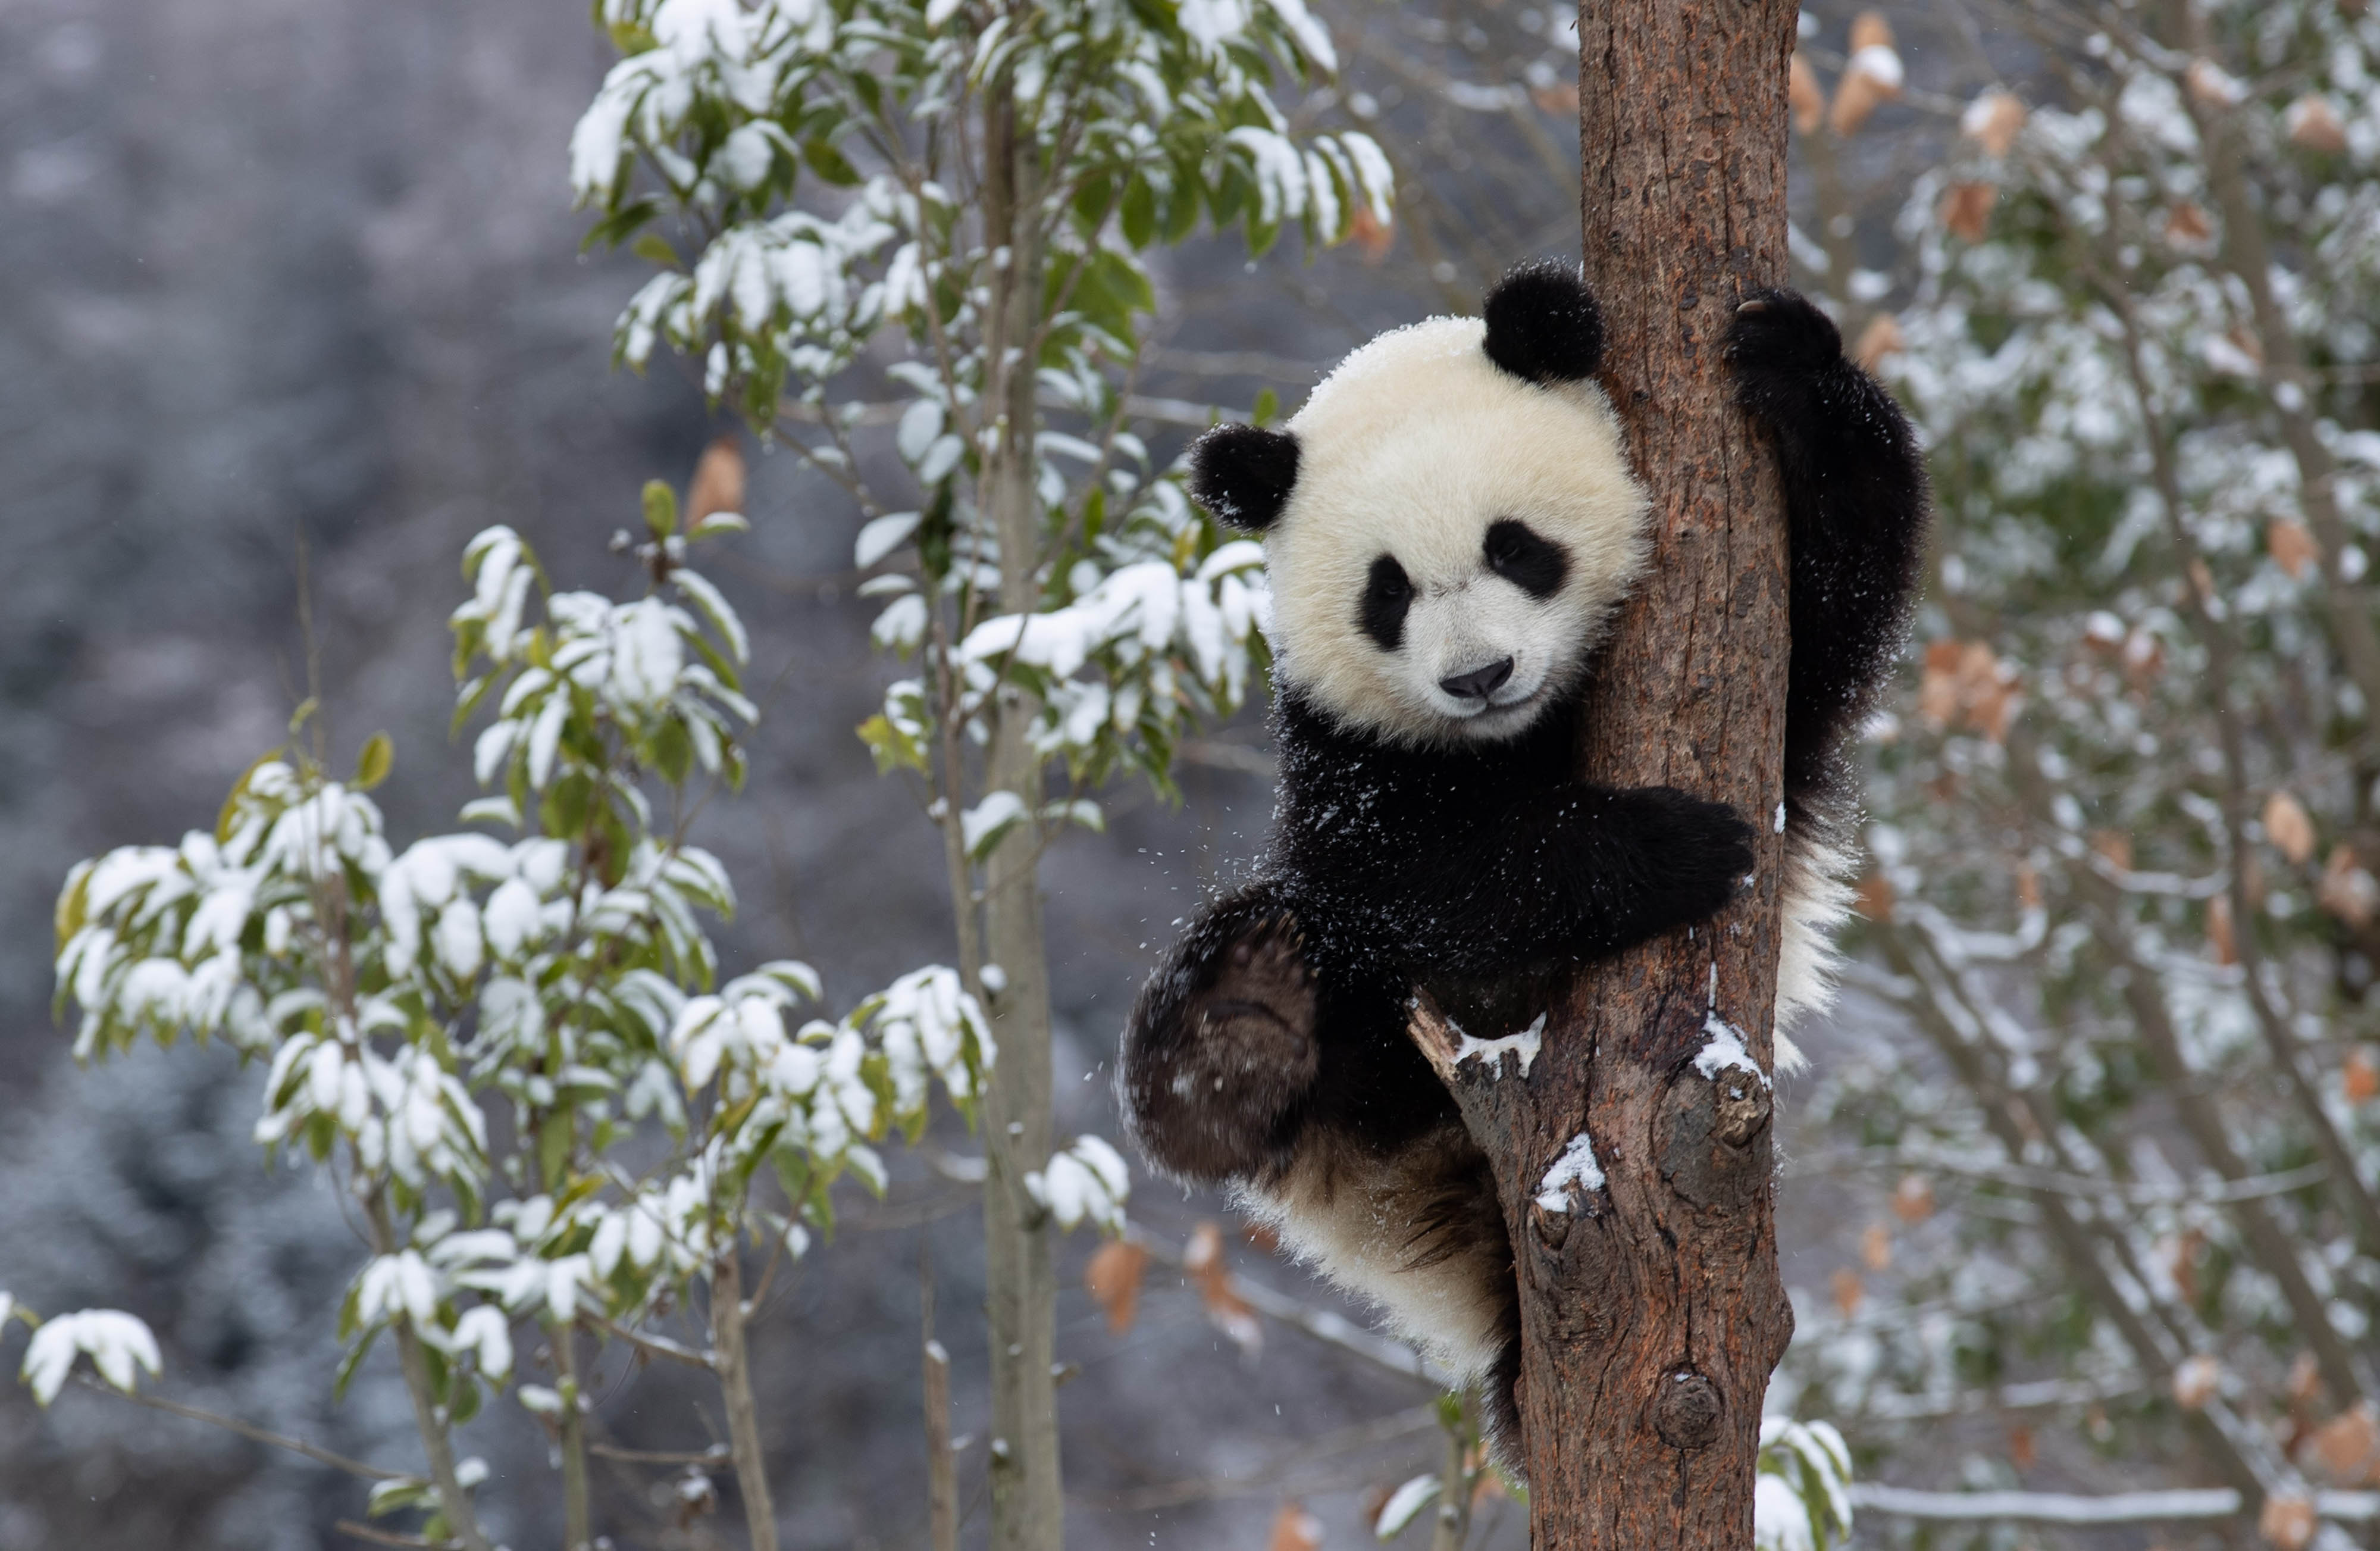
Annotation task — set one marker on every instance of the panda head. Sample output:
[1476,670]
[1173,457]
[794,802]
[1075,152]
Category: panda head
[1449,523]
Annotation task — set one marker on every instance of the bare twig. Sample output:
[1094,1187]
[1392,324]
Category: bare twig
[717,1454]
[248,1430]
[2063,1507]
[661,1346]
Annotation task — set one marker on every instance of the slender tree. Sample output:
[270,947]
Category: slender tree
[1651,1318]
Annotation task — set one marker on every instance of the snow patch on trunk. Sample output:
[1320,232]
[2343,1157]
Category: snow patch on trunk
[1575,1167]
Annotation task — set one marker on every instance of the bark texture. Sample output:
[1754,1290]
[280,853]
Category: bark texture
[1651,1309]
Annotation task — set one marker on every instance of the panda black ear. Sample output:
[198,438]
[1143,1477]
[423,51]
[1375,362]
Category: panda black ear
[1543,327]
[1244,474]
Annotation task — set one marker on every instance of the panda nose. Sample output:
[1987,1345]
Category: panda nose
[1480,682]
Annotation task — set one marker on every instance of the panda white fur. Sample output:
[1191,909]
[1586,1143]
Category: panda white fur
[1450,522]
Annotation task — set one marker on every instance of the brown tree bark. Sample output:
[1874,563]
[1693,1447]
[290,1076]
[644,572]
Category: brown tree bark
[1651,1309]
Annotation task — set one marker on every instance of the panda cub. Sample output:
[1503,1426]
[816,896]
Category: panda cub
[1449,523]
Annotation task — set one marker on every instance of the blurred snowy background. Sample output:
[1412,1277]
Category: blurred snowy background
[277,268]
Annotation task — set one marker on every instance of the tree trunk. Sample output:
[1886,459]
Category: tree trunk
[1022,1289]
[730,1326]
[1651,1310]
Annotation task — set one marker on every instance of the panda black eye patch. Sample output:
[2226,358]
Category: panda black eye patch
[1388,593]
[1515,552]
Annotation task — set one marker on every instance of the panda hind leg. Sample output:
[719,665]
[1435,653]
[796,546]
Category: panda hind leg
[1221,1049]
[1499,1398]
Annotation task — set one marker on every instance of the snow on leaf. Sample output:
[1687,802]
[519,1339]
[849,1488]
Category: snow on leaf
[117,1342]
[1403,1505]
[982,826]
[1086,1182]
[883,536]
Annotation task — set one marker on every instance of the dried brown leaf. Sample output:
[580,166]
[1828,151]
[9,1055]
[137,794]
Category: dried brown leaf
[1912,1199]
[2187,226]
[2287,1522]
[1875,1247]
[2349,1444]
[1992,121]
[1937,690]
[2211,86]
[2360,1077]
[1114,1278]
[2347,891]
[2195,1381]
[1293,1529]
[2222,939]
[1862,89]
[1849,1291]
[1880,338]
[2313,125]
[2291,546]
[718,481]
[1873,900]
[2287,827]
[1202,1263]
[1871,29]
[1966,209]
[1804,95]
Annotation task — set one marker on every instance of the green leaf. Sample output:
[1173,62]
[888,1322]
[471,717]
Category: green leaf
[660,508]
[892,749]
[829,163]
[1181,212]
[74,909]
[1267,405]
[349,1363]
[619,225]
[672,751]
[1126,280]
[1139,212]
[554,1135]
[373,764]
[230,814]
[716,660]
[564,813]
[655,247]
[1091,198]
[392,1497]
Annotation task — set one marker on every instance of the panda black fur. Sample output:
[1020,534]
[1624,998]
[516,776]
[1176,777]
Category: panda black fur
[1449,523]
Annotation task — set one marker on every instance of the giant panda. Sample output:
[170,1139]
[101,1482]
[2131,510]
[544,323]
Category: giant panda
[1449,523]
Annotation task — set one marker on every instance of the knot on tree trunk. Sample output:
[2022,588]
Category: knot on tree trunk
[1712,1136]
[1687,1410]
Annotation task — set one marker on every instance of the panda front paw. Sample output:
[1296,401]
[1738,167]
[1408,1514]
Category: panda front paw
[1209,1097]
[1783,352]
[1782,331]
[1693,855]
